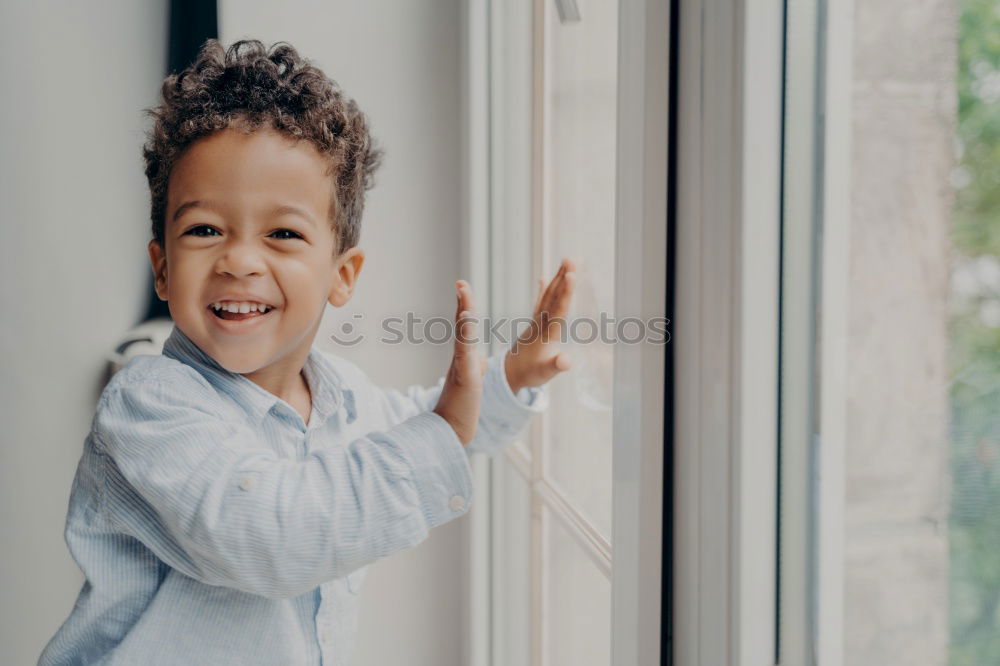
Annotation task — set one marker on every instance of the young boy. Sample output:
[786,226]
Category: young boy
[233,490]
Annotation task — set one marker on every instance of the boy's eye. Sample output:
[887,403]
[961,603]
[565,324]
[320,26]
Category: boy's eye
[293,234]
[204,230]
[192,231]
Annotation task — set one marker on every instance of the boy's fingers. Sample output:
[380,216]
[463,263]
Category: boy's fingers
[464,333]
[545,294]
[557,305]
[550,293]
[464,321]
[541,292]
[465,292]
[459,298]
[463,299]
[561,306]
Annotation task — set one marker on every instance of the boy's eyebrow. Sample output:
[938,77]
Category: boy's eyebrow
[278,210]
[294,210]
[183,208]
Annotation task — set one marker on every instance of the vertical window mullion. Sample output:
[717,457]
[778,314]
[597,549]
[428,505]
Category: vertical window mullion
[540,427]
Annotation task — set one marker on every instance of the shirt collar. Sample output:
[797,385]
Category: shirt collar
[329,392]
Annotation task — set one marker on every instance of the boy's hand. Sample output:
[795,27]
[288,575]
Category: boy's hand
[463,385]
[535,357]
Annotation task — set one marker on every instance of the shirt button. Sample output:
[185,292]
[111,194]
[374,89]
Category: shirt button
[324,635]
[247,483]
[457,503]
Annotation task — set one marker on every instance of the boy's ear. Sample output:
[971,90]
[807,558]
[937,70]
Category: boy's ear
[348,269]
[158,260]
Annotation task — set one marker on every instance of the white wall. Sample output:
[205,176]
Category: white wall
[73,269]
[400,61]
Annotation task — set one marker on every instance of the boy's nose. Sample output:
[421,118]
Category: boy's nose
[240,259]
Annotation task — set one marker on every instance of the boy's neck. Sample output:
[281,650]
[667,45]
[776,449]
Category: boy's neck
[286,379]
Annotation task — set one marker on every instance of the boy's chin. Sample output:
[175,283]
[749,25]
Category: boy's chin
[230,357]
[240,364]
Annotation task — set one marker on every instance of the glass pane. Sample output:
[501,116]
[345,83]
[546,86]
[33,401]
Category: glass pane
[512,587]
[577,602]
[921,530]
[510,166]
[974,339]
[580,99]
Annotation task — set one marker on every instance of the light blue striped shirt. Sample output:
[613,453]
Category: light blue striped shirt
[215,527]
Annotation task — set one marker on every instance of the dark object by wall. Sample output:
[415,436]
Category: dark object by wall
[191,23]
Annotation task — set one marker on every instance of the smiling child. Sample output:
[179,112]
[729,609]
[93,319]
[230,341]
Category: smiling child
[233,489]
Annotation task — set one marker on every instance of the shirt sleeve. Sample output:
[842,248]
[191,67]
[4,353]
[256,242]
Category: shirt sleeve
[502,416]
[215,503]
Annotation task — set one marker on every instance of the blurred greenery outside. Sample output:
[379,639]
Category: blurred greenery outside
[974,525]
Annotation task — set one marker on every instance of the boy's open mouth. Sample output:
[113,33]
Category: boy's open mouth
[239,312]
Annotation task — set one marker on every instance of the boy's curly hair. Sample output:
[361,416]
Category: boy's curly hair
[249,86]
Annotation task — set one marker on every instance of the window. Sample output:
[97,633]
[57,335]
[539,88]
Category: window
[554,147]
[835,434]
[561,163]
[886,376]
[725,341]
[896,452]
[836,334]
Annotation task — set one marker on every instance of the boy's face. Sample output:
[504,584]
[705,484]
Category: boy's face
[246,221]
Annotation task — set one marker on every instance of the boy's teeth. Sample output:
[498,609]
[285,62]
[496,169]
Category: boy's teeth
[242,308]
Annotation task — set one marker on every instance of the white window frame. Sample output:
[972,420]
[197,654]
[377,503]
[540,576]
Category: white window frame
[726,341]
[638,504]
[836,104]
[474,241]
[817,200]
[725,338]
[637,539]
[726,335]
